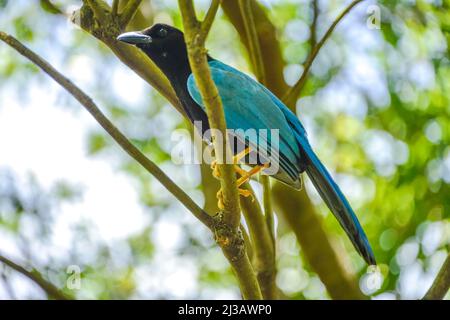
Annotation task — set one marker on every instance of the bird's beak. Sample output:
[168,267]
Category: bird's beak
[135,38]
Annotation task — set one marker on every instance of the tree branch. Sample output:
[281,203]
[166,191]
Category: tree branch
[268,210]
[128,12]
[228,235]
[50,289]
[441,284]
[213,104]
[313,27]
[264,261]
[115,7]
[109,127]
[209,18]
[292,95]
[100,10]
[132,57]
[252,36]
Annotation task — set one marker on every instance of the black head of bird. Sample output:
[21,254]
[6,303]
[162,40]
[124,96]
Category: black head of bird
[163,44]
[166,47]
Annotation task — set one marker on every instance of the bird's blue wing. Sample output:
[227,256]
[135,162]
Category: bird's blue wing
[248,106]
[288,114]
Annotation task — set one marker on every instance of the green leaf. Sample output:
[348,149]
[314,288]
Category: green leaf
[49,7]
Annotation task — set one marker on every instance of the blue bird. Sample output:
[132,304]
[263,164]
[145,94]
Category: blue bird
[249,105]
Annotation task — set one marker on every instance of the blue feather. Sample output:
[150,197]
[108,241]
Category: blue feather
[249,105]
[336,201]
[246,106]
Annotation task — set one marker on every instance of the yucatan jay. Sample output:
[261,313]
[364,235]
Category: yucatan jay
[248,104]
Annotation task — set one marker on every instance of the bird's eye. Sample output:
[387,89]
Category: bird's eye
[162,32]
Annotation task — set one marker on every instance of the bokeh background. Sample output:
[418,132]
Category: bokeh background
[376,106]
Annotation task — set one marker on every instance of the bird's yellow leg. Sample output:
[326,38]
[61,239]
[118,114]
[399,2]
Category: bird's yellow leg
[215,170]
[242,192]
[245,176]
[241,155]
[240,171]
[248,174]
[236,160]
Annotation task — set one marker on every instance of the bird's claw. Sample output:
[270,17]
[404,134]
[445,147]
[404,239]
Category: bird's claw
[246,193]
[244,177]
[243,192]
[220,203]
[215,170]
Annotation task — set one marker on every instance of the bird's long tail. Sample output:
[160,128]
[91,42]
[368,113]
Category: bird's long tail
[337,203]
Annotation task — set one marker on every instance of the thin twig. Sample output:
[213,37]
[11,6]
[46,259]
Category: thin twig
[209,18]
[109,127]
[50,289]
[441,284]
[313,27]
[292,95]
[128,12]
[252,36]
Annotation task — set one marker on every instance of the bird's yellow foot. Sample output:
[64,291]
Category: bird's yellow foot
[248,174]
[243,192]
[236,159]
[241,155]
[215,170]
[219,196]
[244,176]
